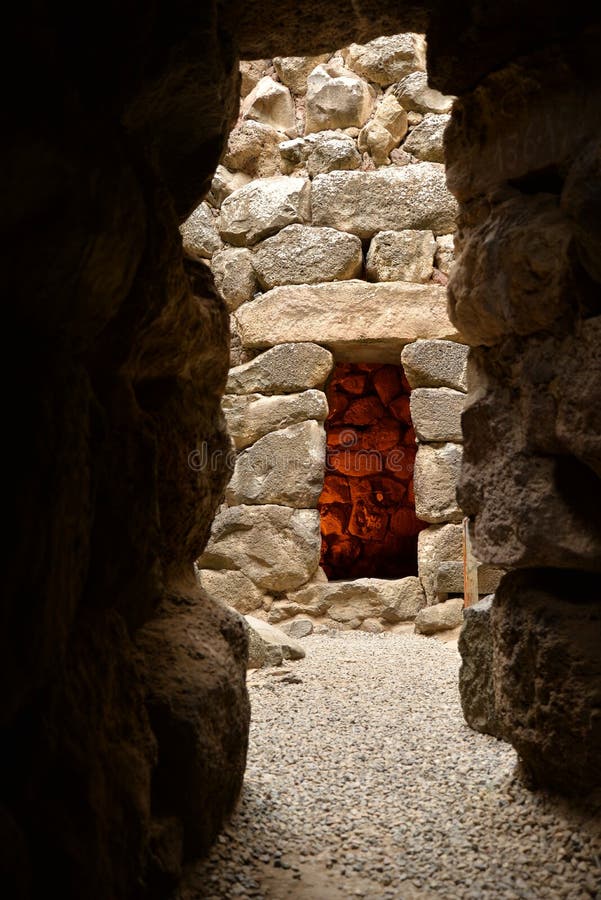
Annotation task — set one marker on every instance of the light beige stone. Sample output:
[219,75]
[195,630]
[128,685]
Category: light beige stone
[225,183]
[324,151]
[413,93]
[277,547]
[436,545]
[449,578]
[263,207]
[233,588]
[251,416]
[285,369]
[445,253]
[290,648]
[336,98]
[271,104]
[302,254]
[436,364]
[436,474]
[385,131]
[356,320]
[426,139]
[388,59]
[234,275]
[401,256]
[293,70]
[436,414]
[285,467]
[440,617]
[251,71]
[199,234]
[403,599]
[393,198]
[349,602]
[254,149]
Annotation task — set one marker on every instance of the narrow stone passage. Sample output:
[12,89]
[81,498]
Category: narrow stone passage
[363,780]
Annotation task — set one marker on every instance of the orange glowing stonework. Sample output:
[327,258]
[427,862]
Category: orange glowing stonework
[367,506]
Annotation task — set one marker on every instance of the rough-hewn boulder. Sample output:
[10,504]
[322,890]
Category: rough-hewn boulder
[275,637]
[450,578]
[401,256]
[413,93]
[426,139]
[363,203]
[285,467]
[435,546]
[232,588]
[440,617]
[436,364]
[234,275]
[436,414]
[225,183]
[445,253]
[271,104]
[384,131]
[253,149]
[250,416]
[199,233]
[388,59]
[437,468]
[263,207]
[284,369]
[388,316]
[301,254]
[325,151]
[293,70]
[476,686]
[336,98]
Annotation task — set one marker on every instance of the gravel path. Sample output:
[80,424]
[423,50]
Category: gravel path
[364,781]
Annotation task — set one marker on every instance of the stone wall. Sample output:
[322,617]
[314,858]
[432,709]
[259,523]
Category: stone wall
[329,232]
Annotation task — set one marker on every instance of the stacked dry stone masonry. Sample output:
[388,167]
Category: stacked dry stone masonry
[329,232]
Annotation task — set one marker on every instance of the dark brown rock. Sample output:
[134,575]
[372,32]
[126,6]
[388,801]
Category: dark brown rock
[547,675]
[476,687]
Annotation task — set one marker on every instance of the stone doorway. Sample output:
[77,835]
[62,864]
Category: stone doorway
[369,527]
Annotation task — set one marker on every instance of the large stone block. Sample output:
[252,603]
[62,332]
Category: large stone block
[350,602]
[547,674]
[325,151]
[293,70]
[436,414]
[254,149]
[388,59]
[278,547]
[363,203]
[450,578]
[436,364]
[275,638]
[384,131]
[476,685]
[336,98]
[225,183]
[426,139]
[300,254]
[356,320]
[286,467]
[435,546]
[440,617]
[234,275]
[401,256]
[436,473]
[232,588]
[413,93]
[270,103]
[285,369]
[263,207]
[199,234]
[251,416]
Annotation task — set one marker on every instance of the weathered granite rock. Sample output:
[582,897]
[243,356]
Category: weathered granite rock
[436,545]
[251,416]
[336,98]
[436,474]
[262,653]
[285,369]
[234,275]
[401,256]
[388,59]
[426,139]
[263,207]
[232,588]
[254,149]
[293,70]
[270,103]
[476,686]
[386,317]
[301,254]
[535,284]
[413,93]
[285,467]
[195,653]
[403,599]
[319,153]
[436,414]
[449,578]
[546,626]
[291,649]
[384,131]
[199,234]
[225,183]
[436,364]
[298,628]
[440,617]
[445,253]
[278,547]
[393,198]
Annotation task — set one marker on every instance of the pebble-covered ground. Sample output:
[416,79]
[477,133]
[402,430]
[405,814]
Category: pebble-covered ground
[364,781]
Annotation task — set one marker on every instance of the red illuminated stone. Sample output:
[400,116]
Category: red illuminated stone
[388,382]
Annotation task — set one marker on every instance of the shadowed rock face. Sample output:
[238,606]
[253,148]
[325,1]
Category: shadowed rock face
[114,132]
